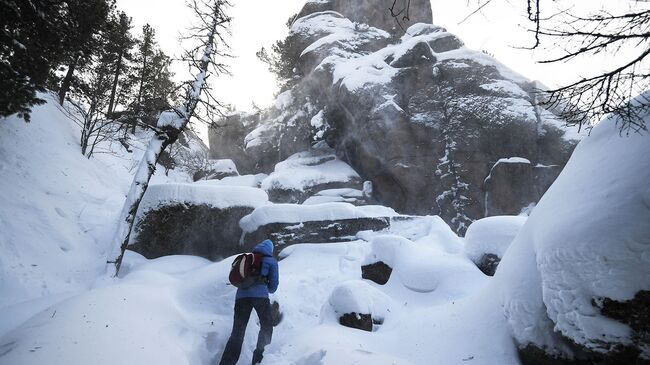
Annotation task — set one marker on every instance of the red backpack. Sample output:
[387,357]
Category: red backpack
[245,270]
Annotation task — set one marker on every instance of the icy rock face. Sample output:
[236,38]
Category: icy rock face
[580,267]
[422,117]
[193,219]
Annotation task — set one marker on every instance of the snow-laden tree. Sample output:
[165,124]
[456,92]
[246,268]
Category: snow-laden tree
[212,24]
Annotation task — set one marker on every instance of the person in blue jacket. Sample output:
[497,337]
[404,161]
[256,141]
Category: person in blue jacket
[255,297]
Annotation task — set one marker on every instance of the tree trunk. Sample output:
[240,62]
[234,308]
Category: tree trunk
[116,78]
[171,124]
[67,80]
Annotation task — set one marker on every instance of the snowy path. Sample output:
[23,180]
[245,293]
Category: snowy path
[178,309]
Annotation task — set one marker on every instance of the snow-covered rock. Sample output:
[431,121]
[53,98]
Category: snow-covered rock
[584,245]
[345,195]
[423,266]
[197,219]
[357,304]
[306,173]
[489,237]
[287,224]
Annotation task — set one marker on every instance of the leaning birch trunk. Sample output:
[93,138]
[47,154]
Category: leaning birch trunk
[170,125]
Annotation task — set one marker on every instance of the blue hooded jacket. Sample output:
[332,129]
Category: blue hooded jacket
[269,270]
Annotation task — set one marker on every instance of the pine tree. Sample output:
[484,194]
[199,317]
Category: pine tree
[283,59]
[119,43]
[151,79]
[30,47]
[87,18]
[95,92]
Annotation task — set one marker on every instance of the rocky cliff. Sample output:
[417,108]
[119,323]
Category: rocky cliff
[437,128]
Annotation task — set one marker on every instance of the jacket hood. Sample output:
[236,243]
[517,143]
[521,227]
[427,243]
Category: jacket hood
[265,248]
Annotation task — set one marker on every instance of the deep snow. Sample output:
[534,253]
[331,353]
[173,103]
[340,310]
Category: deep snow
[57,217]
[178,309]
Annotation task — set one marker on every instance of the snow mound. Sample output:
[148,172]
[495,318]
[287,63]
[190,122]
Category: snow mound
[220,197]
[424,266]
[357,296]
[587,239]
[293,213]
[491,235]
[385,248]
[306,169]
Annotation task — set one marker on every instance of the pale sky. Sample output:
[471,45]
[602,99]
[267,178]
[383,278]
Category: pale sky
[499,28]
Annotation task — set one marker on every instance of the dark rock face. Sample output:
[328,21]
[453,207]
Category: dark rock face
[359,321]
[378,272]
[446,43]
[634,313]
[533,355]
[227,141]
[488,264]
[285,234]
[418,55]
[511,186]
[190,230]
[375,12]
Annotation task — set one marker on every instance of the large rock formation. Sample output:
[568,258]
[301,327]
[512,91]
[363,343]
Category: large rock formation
[421,116]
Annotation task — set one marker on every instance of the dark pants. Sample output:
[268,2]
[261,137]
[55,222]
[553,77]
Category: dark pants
[243,308]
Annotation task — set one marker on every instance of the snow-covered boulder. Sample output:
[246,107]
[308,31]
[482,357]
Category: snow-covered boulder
[424,266]
[193,219]
[357,304]
[305,173]
[487,239]
[287,224]
[580,267]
